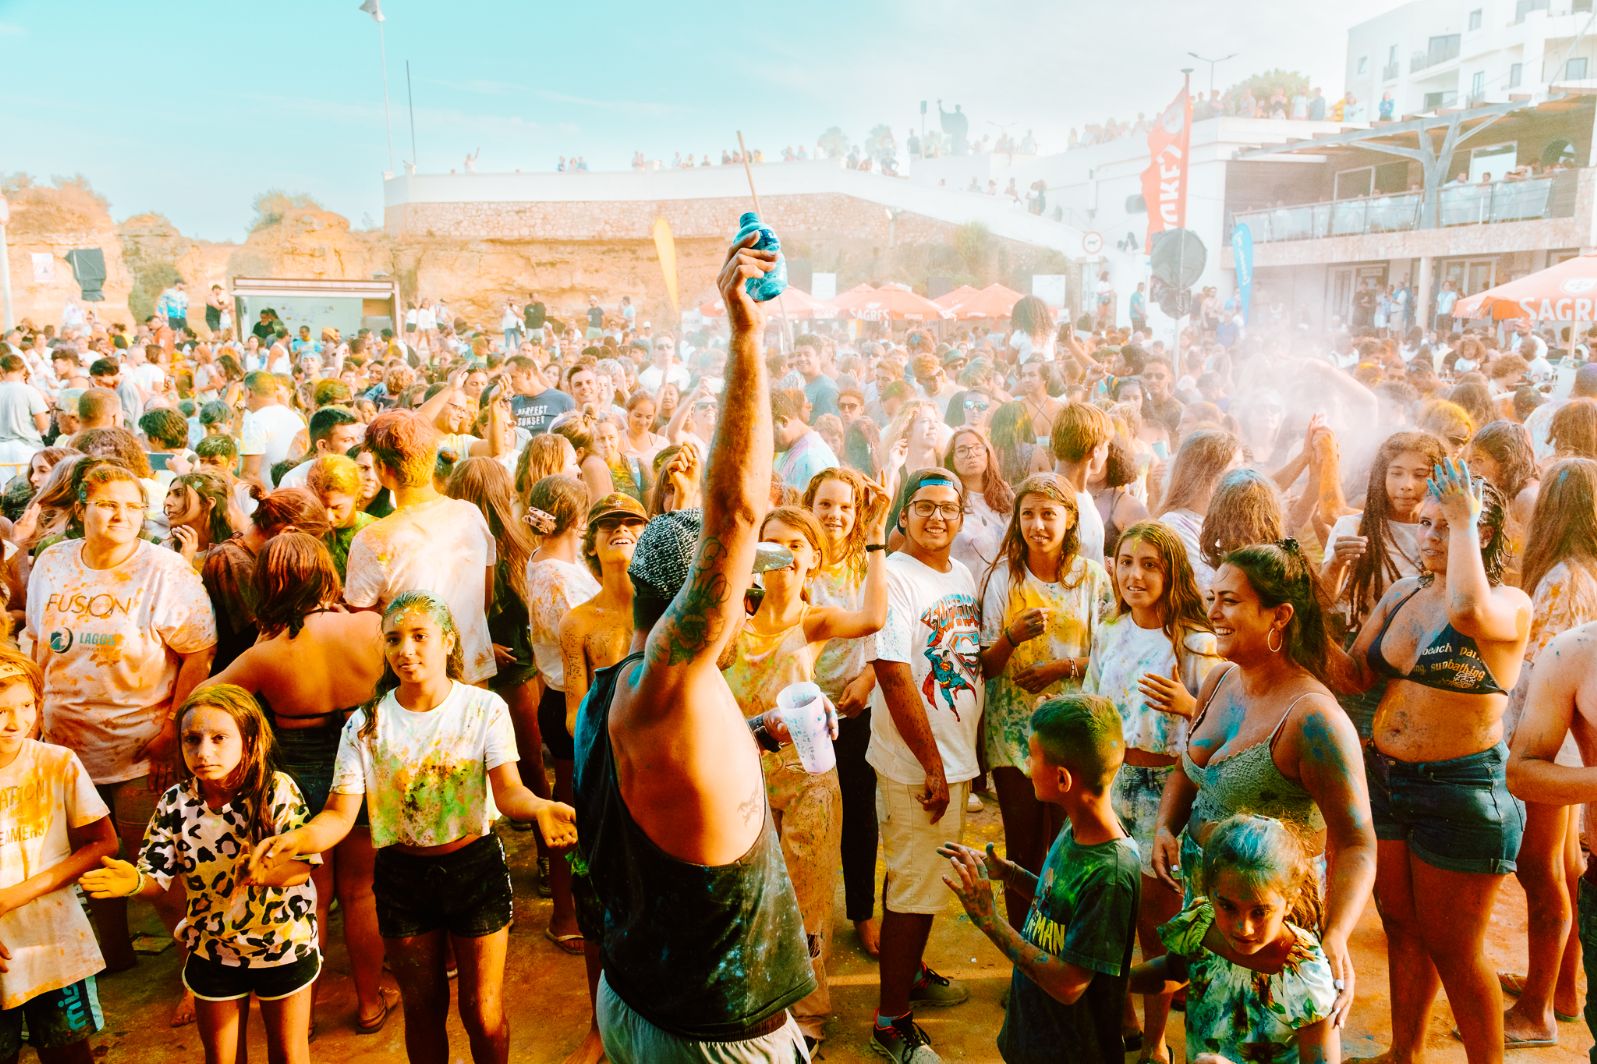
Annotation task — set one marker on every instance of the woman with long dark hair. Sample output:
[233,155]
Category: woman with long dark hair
[1451,643]
[1041,604]
[312,666]
[1268,738]
[1369,552]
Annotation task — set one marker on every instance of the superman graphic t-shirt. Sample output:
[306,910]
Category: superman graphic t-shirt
[934,627]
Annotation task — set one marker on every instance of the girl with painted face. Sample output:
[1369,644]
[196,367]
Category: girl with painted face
[336,481]
[1147,659]
[1252,943]
[1041,602]
[425,755]
[56,828]
[777,646]
[245,931]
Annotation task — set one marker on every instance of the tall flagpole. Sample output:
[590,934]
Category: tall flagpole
[374,8]
[388,118]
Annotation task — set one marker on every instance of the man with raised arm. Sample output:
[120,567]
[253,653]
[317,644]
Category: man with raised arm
[698,927]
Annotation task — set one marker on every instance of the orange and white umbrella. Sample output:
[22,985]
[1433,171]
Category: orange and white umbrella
[1565,292]
[894,302]
[952,300]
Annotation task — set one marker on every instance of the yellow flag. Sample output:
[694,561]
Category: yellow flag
[665,246]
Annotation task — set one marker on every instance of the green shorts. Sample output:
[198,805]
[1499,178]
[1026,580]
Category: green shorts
[54,1020]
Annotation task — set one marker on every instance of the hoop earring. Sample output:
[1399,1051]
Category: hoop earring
[1282,640]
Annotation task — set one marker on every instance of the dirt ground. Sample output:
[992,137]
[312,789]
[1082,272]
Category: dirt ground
[548,1005]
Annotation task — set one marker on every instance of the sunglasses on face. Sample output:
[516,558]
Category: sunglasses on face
[752,599]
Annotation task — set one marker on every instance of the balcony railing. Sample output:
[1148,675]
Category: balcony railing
[1552,196]
[1440,51]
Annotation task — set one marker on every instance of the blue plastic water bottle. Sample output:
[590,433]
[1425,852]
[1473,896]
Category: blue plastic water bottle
[774,283]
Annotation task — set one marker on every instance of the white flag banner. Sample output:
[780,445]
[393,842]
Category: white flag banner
[374,8]
[43,267]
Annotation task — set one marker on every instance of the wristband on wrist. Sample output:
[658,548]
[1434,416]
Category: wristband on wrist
[138,888]
[869,547]
[1009,638]
[762,734]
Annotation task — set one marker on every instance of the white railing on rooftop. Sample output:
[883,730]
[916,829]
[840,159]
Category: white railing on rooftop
[1552,196]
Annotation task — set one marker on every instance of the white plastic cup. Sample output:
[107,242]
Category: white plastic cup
[803,710]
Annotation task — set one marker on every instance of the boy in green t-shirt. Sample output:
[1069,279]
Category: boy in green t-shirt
[1073,957]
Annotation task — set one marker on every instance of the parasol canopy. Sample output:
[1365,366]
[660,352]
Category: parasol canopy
[994,301]
[1565,292]
[895,302]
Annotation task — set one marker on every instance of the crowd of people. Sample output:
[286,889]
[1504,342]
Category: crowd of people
[1235,634]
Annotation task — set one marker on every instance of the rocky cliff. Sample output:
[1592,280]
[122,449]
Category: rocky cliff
[475,273]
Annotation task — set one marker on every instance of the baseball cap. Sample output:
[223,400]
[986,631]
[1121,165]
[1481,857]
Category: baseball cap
[67,399]
[616,504]
[663,556]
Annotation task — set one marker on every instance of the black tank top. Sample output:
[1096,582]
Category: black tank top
[705,952]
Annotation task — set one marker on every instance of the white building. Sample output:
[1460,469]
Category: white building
[1434,54]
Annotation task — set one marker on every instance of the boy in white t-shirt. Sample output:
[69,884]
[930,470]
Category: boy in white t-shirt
[48,955]
[429,543]
[925,721]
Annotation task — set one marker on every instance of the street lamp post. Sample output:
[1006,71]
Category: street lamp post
[1212,64]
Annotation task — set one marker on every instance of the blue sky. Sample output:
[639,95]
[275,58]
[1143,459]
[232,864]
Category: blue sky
[192,108]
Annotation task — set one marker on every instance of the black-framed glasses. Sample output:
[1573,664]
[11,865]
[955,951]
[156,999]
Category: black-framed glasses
[752,599]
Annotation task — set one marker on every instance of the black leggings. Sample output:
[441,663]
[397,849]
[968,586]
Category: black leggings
[857,780]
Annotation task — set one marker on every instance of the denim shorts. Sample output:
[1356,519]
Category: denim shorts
[466,893]
[1135,795]
[55,1019]
[210,981]
[307,754]
[1455,815]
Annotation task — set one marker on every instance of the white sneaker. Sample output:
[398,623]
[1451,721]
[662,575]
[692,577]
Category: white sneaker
[973,803]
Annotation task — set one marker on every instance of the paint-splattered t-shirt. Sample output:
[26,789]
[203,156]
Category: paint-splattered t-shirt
[934,627]
[109,642]
[442,546]
[1122,653]
[1084,912]
[425,775]
[1074,606]
[226,921]
[1242,1014]
[44,792]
